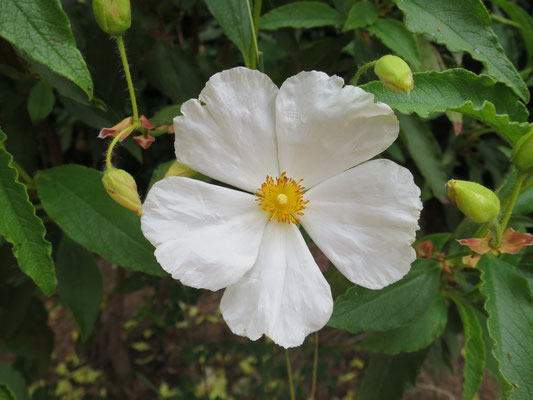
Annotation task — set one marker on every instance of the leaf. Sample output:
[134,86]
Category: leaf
[22,228]
[389,377]
[74,197]
[301,14]
[40,101]
[14,381]
[415,336]
[80,284]
[478,96]
[524,203]
[464,26]
[397,38]
[42,30]
[474,351]
[425,152]
[166,115]
[509,303]
[6,393]
[361,14]
[361,309]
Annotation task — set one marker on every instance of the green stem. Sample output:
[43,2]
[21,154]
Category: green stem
[503,20]
[315,367]
[30,183]
[254,23]
[122,50]
[114,142]
[289,374]
[361,70]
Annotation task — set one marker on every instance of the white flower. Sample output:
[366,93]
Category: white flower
[313,129]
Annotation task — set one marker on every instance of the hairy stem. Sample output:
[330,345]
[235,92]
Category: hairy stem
[122,50]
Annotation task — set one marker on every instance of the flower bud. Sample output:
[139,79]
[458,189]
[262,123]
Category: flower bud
[122,188]
[178,169]
[523,153]
[113,16]
[474,200]
[394,73]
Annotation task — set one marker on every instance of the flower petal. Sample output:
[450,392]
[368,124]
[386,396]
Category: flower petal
[283,296]
[206,236]
[324,127]
[364,220]
[229,134]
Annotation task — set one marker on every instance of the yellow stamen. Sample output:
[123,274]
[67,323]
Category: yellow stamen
[283,198]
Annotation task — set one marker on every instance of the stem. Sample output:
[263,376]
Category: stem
[315,367]
[254,24]
[30,183]
[361,70]
[289,374]
[503,20]
[114,142]
[122,51]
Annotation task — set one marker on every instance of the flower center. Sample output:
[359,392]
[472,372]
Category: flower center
[283,198]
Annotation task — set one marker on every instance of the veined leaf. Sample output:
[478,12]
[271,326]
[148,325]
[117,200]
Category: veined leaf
[22,228]
[464,25]
[301,14]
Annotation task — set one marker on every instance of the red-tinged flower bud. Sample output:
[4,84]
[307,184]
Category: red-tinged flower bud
[113,16]
[178,169]
[394,73]
[122,188]
[523,153]
[474,200]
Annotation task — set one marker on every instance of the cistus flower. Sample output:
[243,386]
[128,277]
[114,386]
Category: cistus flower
[394,73]
[290,152]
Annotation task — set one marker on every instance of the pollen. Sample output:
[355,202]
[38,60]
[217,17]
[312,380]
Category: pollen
[283,198]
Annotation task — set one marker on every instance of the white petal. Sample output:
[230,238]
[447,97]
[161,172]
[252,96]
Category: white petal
[284,296]
[365,220]
[324,127]
[231,137]
[206,236]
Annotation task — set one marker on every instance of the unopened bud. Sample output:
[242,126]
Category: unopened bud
[122,188]
[178,169]
[474,200]
[113,16]
[394,73]
[523,153]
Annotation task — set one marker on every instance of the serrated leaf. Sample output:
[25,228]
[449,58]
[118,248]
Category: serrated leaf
[41,29]
[396,37]
[74,197]
[22,228]
[413,337]
[464,26]
[301,14]
[474,351]
[509,303]
[365,310]
[14,381]
[478,96]
[361,14]
[80,284]
[40,101]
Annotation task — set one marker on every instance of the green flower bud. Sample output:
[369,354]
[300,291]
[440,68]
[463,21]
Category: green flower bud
[523,153]
[474,200]
[113,16]
[394,73]
[178,169]
[122,188]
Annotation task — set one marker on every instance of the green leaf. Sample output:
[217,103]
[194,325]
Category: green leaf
[524,203]
[361,14]
[302,14]
[438,240]
[460,90]
[397,38]
[415,336]
[41,29]
[166,115]
[361,309]
[474,351]
[13,380]
[425,152]
[389,377]
[22,228]
[464,26]
[80,284]
[6,393]
[509,303]
[74,197]
[40,101]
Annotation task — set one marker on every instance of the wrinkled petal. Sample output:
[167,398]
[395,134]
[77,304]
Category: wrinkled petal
[284,296]
[206,236]
[324,127]
[365,220]
[229,134]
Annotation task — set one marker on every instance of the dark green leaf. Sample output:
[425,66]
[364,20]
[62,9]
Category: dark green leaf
[74,197]
[361,309]
[361,14]
[42,30]
[14,381]
[166,115]
[40,101]
[302,14]
[80,284]
[438,240]
[524,203]
[22,228]
[6,393]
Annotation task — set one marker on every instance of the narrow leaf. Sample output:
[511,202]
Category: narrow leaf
[302,14]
